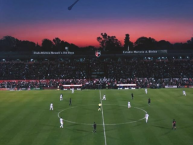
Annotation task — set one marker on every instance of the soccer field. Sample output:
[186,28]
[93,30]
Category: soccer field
[25,118]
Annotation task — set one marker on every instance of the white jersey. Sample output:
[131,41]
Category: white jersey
[51,105]
[128,103]
[61,120]
[146,115]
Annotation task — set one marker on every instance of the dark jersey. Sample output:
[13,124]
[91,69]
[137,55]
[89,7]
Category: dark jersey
[174,123]
[149,100]
[94,125]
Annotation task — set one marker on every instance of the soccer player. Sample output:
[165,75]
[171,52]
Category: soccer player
[184,93]
[129,105]
[146,91]
[61,122]
[99,106]
[72,90]
[104,97]
[146,117]
[149,101]
[70,102]
[61,97]
[51,106]
[94,127]
[174,124]
[132,96]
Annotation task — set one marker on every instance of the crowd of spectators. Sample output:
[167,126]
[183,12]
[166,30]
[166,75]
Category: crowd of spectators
[95,72]
[97,83]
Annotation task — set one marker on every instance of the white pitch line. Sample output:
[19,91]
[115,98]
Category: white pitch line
[103,118]
[101,124]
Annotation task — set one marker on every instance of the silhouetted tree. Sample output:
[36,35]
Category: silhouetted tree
[102,40]
[163,45]
[26,46]
[63,45]
[8,43]
[144,43]
[127,42]
[178,46]
[73,47]
[190,43]
[47,45]
[108,42]
[57,44]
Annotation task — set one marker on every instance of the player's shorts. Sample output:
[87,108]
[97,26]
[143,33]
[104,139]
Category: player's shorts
[99,106]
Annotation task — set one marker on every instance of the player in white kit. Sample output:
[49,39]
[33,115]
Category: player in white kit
[51,106]
[61,122]
[72,90]
[184,93]
[129,105]
[61,97]
[146,117]
[104,97]
[146,91]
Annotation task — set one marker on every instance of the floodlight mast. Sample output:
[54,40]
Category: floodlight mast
[70,7]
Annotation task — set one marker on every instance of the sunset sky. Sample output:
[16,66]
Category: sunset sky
[34,20]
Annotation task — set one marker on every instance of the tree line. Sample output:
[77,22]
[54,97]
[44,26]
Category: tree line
[107,43]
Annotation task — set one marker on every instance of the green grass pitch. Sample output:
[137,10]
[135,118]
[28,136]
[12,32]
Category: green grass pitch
[25,118]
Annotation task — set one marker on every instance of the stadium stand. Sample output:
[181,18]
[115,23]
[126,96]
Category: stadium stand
[90,72]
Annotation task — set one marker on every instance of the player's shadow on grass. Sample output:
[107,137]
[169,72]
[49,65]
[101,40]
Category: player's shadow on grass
[167,132]
[82,130]
[162,127]
[48,125]
[74,124]
[156,120]
[78,130]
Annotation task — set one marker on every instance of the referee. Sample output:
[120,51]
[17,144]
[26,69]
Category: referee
[94,127]
[70,103]
[174,124]
[149,101]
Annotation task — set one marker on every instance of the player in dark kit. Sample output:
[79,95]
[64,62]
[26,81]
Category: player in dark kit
[174,124]
[132,96]
[149,101]
[94,127]
[70,102]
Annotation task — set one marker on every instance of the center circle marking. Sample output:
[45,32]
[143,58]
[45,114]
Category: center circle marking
[102,124]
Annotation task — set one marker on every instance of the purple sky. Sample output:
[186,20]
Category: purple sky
[35,20]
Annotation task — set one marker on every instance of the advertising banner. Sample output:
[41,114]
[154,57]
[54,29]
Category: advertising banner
[171,87]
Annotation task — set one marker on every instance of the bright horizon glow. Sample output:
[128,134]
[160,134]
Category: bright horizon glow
[84,33]
[36,20]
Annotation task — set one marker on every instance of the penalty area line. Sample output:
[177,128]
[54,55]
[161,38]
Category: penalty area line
[103,118]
